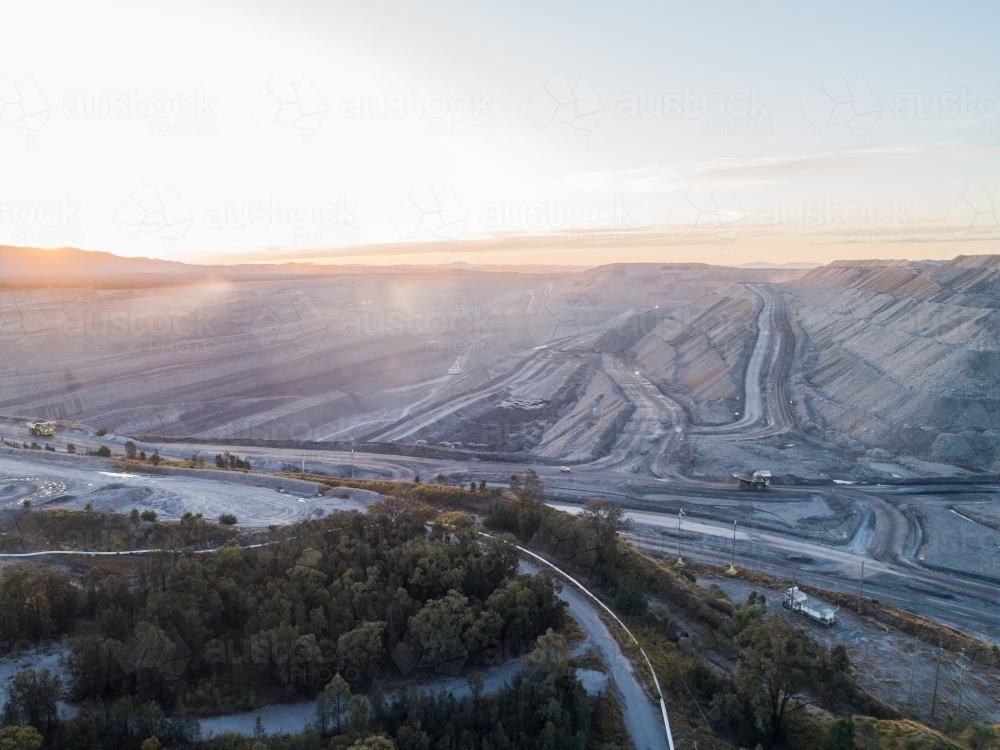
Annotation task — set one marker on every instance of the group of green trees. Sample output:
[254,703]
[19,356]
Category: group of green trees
[362,596]
[543,707]
[228,461]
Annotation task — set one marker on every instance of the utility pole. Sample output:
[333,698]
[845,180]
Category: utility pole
[937,672]
[964,664]
[732,564]
[913,667]
[680,559]
[861,590]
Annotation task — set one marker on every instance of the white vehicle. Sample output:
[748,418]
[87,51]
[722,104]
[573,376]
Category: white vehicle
[760,480]
[42,428]
[564,469]
[797,601]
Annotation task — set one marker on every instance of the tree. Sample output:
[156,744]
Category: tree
[482,485]
[607,520]
[332,704]
[227,519]
[31,699]
[70,448]
[20,738]
[530,497]
[155,460]
[528,486]
[361,649]
[151,744]
[777,661]
[840,735]
[476,686]
[751,612]
[130,450]
[148,515]
[375,742]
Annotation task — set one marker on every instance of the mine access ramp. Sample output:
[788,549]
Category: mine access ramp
[42,428]
[797,601]
[760,480]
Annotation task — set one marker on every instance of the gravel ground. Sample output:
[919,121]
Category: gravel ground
[256,500]
[883,659]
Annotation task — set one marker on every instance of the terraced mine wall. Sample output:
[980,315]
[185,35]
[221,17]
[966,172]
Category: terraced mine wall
[901,358]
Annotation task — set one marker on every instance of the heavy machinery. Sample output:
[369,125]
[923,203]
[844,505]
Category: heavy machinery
[816,611]
[760,480]
[42,429]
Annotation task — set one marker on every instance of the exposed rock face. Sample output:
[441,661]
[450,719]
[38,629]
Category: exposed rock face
[698,353]
[901,356]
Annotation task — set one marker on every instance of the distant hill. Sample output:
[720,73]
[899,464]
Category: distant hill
[28,263]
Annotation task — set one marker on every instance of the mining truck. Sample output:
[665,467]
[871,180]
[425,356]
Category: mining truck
[42,429]
[816,611]
[760,480]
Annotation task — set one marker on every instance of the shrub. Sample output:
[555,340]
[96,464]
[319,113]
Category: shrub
[227,518]
[71,448]
[102,432]
[148,515]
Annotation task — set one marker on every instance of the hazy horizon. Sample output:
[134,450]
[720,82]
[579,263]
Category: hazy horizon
[372,133]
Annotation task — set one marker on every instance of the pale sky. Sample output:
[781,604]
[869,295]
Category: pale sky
[439,131]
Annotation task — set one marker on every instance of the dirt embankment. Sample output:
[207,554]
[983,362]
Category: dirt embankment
[699,351]
[902,357]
